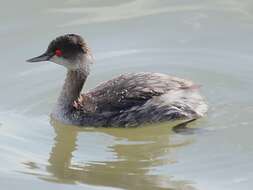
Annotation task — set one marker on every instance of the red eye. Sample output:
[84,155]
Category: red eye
[58,53]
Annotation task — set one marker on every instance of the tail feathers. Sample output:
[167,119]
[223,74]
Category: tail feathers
[192,87]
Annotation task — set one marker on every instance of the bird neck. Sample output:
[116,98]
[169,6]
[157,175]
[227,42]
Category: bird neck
[70,92]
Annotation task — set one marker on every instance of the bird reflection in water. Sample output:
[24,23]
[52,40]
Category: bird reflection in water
[137,151]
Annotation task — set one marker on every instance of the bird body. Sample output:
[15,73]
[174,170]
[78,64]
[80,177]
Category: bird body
[129,100]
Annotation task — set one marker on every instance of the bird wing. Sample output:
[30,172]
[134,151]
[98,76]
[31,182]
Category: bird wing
[128,90]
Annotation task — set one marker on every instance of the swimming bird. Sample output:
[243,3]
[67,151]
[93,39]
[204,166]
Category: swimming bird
[129,100]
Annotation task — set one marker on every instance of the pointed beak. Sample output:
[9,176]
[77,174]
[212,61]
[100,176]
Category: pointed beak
[43,57]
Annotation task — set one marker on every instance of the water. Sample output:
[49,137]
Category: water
[208,41]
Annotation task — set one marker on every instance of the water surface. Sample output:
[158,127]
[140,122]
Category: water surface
[209,42]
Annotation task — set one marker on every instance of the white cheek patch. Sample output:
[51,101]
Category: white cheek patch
[64,62]
[82,63]
[59,60]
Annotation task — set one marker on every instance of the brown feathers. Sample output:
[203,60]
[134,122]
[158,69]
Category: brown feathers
[85,103]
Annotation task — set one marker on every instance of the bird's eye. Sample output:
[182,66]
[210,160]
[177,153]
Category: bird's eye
[58,53]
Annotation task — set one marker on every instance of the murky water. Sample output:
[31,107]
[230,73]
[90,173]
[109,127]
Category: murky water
[208,41]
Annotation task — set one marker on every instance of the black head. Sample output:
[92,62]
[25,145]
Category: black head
[68,50]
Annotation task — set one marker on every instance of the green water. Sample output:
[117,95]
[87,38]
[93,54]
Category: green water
[208,41]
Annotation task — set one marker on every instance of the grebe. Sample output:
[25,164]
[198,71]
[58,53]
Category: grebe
[128,100]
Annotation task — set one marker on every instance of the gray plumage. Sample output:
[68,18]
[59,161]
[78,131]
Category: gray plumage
[139,98]
[129,100]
